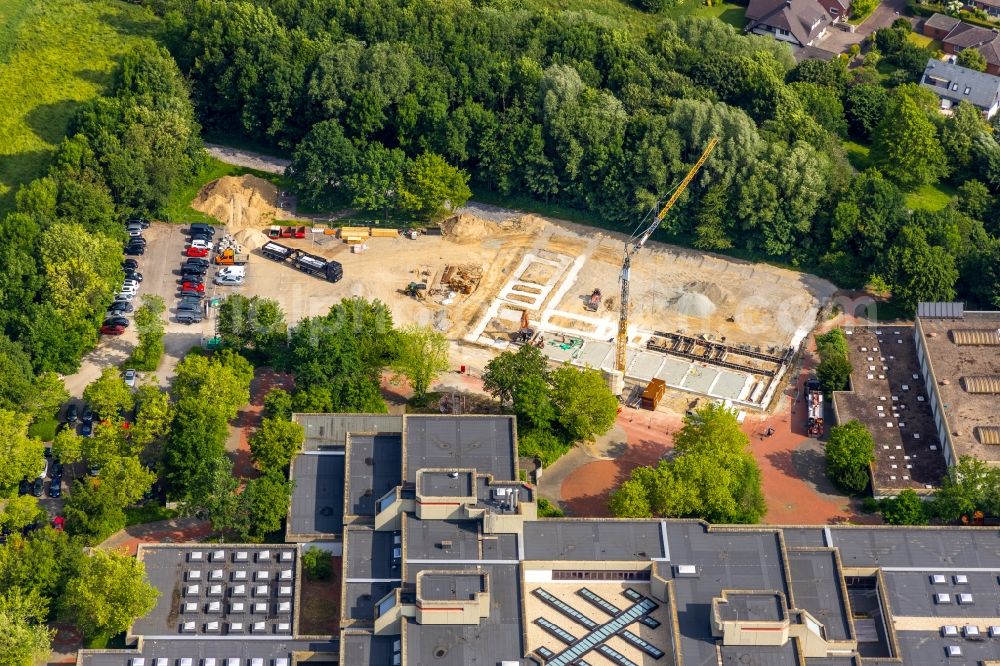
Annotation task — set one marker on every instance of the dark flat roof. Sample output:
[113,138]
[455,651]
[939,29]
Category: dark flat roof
[376,463]
[368,553]
[920,547]
[451,586]
[424,539]
[756,607]
[197,649]
[483,443]
[912,594]
[360,599]
[739,655]
[365,648]
[318,497]
[816,588]
[444,484]
[592,540]
[330,430]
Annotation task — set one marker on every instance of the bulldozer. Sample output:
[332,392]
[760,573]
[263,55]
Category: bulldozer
[417,290]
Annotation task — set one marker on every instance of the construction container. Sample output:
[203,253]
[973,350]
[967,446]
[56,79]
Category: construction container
[354,231]
[384,233]
[276,251]
[653,394]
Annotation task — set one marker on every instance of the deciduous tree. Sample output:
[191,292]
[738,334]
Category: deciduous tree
[421,356]
[585,406]
[108,395]
[20,456]
[849,453]
[275,443]
[98,608]
[906,148]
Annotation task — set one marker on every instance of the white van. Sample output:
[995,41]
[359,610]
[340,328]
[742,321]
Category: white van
[232,271]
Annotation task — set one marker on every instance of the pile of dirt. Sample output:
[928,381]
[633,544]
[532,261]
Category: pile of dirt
[244,202]
[250,239]
[693,304]
[466,228]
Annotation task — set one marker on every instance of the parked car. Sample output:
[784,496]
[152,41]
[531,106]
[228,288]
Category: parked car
[125,296]
[86,429]
[228,280]
[87,414]
[130,264]
[135,250]
[134,232]
[138,220]
[189,316]
[196,261]
[193,286]
[194,268]
[201,227]
[93,469]
[131,284]
[55,487]
[201,244]
[202,236]
[238,271]
[192,278]
[121,306]
[116,321]
[190,300]
[24,487]
[130,377]
[196,251]
[37,486]
[58,523]
[133,275]
[112,330]
[137,240]
[56,468]
[131,288]
[72,413]
[287,232]
[191,293]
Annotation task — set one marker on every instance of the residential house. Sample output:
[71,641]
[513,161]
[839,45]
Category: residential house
[954,84]
[991,7]
[799,22]
[956,36]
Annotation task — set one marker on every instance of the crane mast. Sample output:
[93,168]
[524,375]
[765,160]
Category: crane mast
[634,244]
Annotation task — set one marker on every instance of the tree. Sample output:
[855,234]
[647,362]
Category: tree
[322,165]
[849,453]
[421,355]
[108,395]
[905,509]
[972,59]
[252,323]
[20,456]
[45,396]
[67,447]
[374,184]
[630,500]
[147,354]
[20,512]
[505,372]
[198,436]
[153,415]
[278,404]
[429,187]
[920,271]
[860,10]
[961,135]
[213,494]
[263,506]
[965,489]
[865,105]
[275,443]
[533,402]
[974,199]
[906,148]
[25,639]
[98,608]
[317,563]
[39,565]
[585,406]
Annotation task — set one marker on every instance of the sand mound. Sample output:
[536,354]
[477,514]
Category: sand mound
[239,202]
[710,290]
[466,228]
[250,239]
[693,304]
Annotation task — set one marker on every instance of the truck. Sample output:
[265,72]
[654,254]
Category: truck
[276,251]
[318,266]
[229,257]
[594,302]
[814,408]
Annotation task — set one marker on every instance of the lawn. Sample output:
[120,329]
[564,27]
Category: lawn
[727,12]
[55,55]
[178,209]
[638,22]
[857,155]
[930,197]
[923,41]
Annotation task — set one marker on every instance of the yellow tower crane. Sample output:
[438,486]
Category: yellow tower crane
[648,225]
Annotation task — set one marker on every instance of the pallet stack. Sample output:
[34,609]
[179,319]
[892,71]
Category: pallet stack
[384,233]
[354,235]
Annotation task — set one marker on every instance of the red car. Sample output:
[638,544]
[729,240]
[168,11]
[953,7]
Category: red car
[196,252]
[58,522]
[300,232]
[287,232]
[112,330]
[190,286]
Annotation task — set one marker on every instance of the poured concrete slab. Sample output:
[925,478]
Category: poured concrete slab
[672,371]
[596,354]
[645,366]
[730,385]
[699,379]
[557,353]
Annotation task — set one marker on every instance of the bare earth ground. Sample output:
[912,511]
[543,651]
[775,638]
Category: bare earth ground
[319,608]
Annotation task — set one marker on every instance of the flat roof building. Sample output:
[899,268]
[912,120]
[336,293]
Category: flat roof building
[452,567]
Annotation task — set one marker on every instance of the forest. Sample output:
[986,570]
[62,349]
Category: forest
[568,109]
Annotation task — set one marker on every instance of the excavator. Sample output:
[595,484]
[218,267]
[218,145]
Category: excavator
[649,224]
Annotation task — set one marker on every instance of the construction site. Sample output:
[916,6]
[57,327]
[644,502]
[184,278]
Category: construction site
[702,324]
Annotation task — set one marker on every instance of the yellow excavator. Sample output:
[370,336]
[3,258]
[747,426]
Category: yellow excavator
[648,225]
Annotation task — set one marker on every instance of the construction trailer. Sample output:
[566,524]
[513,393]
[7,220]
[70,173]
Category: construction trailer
[331,271]
[814,411]
[277,251]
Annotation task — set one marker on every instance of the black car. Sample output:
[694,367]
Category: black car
[193,278]
[36,488]
[200,269]
[116,321]
[189,317]
[189,304]
[133,275]
[135,249]
[197,261]
[201,228]
[86,429]
[121,306]
[55,488]
[130,265]
[192,294]
[87,415]
[141,221]
[72,413]
[24,487]
[56,469]
[201,235]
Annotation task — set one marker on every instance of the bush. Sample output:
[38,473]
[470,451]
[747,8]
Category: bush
[905,509]
[547,509]
[541,444]
[317,563]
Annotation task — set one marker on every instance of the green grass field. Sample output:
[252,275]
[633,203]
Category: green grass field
[930,197]
[638,22]
[55,55]
[923,41]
